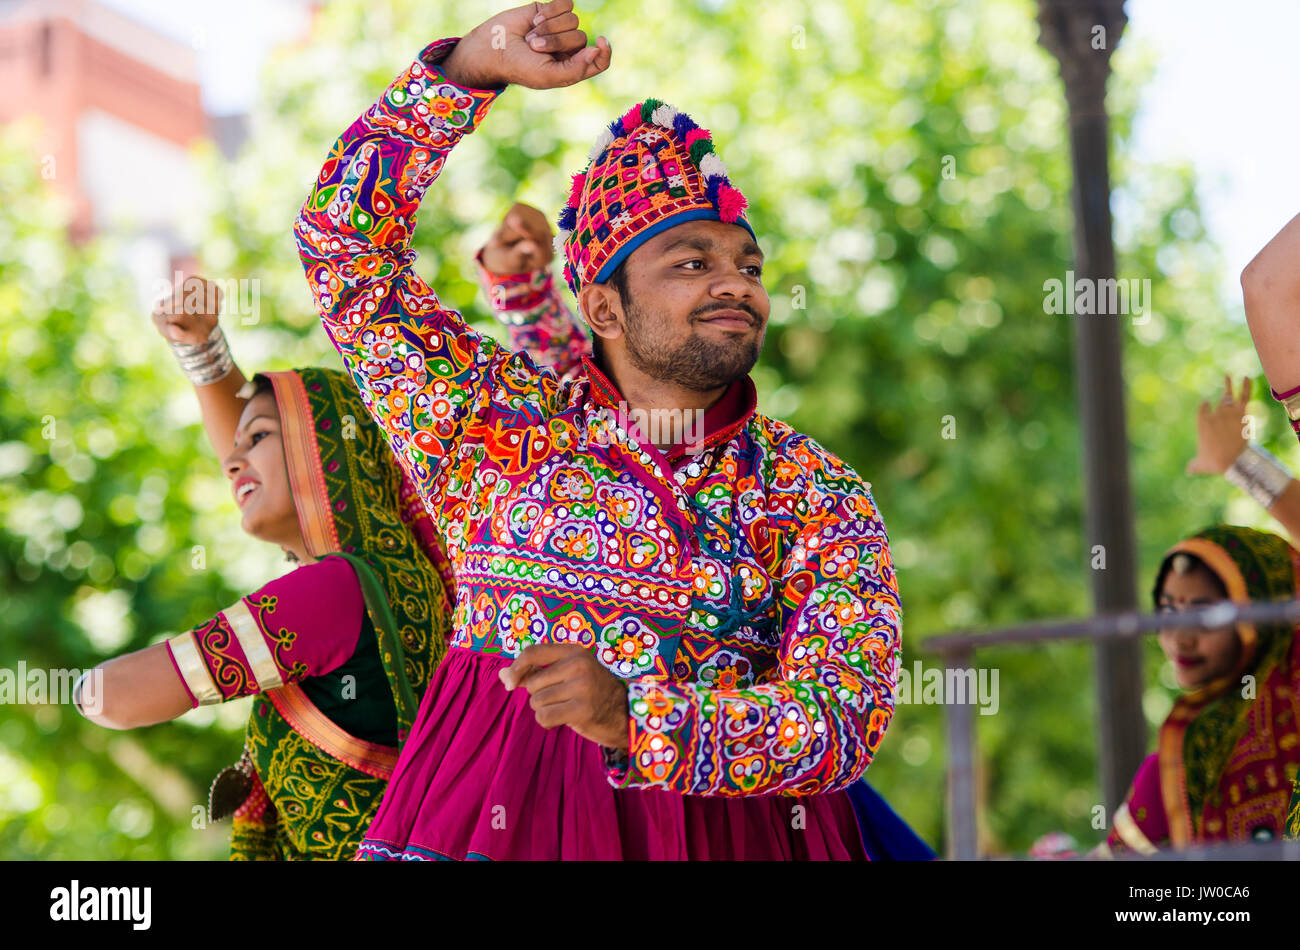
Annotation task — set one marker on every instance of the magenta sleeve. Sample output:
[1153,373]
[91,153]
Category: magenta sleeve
[303,624]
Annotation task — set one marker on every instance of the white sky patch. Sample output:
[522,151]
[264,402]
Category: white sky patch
[1223,97]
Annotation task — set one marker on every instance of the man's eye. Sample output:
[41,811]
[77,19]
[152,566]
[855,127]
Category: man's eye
[756,268]
[693,261]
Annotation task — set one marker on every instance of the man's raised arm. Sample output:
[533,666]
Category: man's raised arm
[420,370]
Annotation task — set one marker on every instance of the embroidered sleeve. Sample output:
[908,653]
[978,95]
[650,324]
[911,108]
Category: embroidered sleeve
[536,317]
[436,387]
[812,725]
[303,624]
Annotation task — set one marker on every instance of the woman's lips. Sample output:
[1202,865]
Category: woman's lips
[244,488]
[1188,661]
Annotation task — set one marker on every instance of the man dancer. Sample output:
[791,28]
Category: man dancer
[718,629]
[514,268]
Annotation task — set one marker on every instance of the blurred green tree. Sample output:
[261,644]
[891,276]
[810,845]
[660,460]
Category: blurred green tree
[112,535]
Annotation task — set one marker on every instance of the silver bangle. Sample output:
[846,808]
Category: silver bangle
[207,362]
[1258,473]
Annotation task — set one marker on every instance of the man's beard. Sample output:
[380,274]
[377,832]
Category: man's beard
[695,363]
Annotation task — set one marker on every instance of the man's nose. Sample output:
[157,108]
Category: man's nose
[731,283]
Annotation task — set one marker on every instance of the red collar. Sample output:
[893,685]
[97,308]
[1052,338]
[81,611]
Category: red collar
[722,420]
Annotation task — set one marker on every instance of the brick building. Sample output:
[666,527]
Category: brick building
[120,109]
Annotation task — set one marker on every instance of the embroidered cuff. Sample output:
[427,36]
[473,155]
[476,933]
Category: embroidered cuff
[225,657]
[656,712]
[264,671]
[618,761]
[456,110]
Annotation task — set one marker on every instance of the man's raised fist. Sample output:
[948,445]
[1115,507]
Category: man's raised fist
[538,45]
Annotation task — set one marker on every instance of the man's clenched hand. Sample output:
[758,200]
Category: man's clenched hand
[567,686]
[537,45]
[521,244]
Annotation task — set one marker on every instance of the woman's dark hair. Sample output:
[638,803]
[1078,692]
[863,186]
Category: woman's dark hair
[261,384]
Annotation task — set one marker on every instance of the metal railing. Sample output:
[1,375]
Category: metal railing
[957,651]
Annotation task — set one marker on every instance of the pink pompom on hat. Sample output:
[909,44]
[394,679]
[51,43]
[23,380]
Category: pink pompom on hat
[652,169]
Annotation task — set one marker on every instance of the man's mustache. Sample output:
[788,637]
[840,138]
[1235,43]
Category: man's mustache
[732,306]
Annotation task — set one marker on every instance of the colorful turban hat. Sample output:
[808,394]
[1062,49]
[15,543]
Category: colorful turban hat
[651,170]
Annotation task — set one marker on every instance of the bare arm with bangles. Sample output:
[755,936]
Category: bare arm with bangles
[142,688]
[188,320]
[241,651]
[1222,448]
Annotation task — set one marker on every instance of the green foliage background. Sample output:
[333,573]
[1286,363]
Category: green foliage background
[901,297]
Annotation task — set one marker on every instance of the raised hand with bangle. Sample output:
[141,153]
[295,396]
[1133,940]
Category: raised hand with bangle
[1224,448]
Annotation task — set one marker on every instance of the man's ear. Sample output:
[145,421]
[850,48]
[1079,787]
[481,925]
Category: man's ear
[602,309]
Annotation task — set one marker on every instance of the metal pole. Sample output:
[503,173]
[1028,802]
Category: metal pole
[1082,34]
[959,719]
[1119,626]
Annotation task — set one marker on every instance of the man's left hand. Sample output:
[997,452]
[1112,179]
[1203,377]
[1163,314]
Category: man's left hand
[521,244]
[567,686]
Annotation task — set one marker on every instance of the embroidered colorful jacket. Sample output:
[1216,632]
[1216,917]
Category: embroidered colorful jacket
[746,592]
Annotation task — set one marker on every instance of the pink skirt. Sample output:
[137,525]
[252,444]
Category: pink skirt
[478,778]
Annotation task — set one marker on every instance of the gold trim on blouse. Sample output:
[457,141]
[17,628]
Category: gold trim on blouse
[250,638]
[193,670]
[1130,833]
